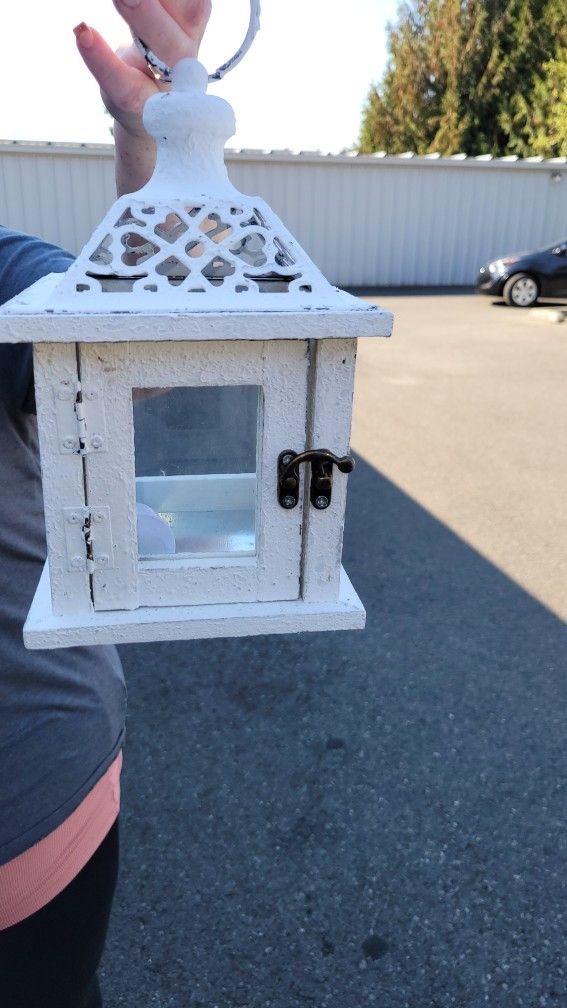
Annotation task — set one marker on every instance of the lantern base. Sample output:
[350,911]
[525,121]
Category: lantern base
[43,630]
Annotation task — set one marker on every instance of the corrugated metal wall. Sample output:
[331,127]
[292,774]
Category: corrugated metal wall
[366,221]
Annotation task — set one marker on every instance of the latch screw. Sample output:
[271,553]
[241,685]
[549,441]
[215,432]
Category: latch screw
[286,459]
[288,501]
[96,441]
[321,502]
[73,518]
[69,442]
[90,395]
[102,560]
[98,516]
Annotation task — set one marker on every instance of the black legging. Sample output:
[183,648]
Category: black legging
[49,960]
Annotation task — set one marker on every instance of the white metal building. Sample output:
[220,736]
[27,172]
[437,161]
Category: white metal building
[366,220]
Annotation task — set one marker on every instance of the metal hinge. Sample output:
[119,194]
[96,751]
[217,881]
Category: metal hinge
[81,422]
[88,536]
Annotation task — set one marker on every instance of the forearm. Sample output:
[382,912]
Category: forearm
[134,160]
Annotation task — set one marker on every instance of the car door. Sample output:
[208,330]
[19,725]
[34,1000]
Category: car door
[556,283]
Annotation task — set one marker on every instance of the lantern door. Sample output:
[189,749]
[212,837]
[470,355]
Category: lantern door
[186,473]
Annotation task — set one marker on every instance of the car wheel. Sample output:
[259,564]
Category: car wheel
[521,291]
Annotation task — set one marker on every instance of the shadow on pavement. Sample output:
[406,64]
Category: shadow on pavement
[352,819]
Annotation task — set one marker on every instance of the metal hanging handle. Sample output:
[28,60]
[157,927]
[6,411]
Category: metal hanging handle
[322,461]
[162,72]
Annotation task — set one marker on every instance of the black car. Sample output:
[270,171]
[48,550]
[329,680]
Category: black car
[522,278]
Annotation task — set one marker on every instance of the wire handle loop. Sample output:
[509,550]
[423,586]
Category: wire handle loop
[162,72]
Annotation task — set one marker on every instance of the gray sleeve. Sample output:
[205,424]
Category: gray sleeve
[23,260]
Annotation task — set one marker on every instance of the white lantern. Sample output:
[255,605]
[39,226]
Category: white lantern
[194,376]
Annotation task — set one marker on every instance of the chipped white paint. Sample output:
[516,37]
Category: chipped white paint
[196,253]
[110,477]
[81,423]
[280,371]
[24,320]
[163,72]
[88,534]
[251,32]
[55,371]
[330,394]
[43,630]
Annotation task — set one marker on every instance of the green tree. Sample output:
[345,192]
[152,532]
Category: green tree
[445,54]
[546,116]
[397,114]
[479,76]
[541,116]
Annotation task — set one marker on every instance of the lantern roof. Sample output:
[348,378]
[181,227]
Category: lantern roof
[189,243]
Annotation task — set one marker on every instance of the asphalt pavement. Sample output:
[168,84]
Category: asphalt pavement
[377,817]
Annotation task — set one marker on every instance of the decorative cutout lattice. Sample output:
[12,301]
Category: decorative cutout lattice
[221,249]
[189,243]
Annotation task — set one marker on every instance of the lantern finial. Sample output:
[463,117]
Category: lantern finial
[190,128]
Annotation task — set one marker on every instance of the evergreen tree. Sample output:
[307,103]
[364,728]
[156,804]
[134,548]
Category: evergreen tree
[542,115]
[445,51]
[479,76]
[398,112]
[546,125]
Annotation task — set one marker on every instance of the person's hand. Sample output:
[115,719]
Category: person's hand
[173,30]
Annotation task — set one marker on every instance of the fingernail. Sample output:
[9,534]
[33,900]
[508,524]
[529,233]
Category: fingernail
[83,34]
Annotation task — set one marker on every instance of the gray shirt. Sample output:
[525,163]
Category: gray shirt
[61,712]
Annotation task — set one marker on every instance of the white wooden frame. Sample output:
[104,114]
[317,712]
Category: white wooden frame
[331,388]
[280,370]
[44,630]
[311,388]
[25,319]
[55,375]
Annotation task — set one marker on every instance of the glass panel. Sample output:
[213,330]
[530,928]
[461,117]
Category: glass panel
[196,470]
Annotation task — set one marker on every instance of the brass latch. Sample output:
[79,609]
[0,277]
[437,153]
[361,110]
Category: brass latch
[322,461]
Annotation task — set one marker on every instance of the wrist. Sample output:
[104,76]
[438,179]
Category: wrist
[134,158]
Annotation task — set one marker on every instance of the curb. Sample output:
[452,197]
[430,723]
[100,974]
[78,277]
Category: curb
[555,315]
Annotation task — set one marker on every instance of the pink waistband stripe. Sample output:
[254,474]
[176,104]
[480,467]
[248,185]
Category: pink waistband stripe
[34,878]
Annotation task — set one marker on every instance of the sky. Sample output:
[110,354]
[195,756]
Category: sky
[301,86]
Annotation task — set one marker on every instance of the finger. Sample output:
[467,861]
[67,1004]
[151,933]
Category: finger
[124,86]
[191,15]
[132,56]
[149,20]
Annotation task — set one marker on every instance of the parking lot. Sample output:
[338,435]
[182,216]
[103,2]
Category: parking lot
[377,818]
[465,410]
